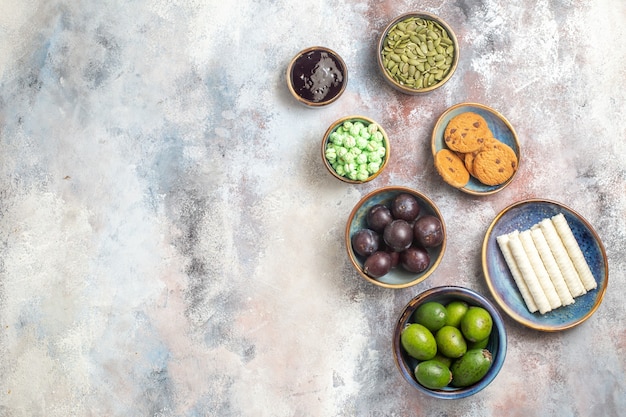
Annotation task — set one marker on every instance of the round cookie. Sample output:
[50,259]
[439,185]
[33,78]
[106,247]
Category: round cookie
[468,158]
[451,168]
[466,132]
[495,165]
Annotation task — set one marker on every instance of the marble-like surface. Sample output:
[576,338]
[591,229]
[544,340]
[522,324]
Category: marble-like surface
[172,246]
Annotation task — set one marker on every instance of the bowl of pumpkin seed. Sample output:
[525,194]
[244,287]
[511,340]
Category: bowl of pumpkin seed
[417,53]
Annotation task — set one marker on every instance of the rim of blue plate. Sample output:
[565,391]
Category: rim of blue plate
[502,129]
[522,215]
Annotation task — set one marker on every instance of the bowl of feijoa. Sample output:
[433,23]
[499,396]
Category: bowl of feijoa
[449,342]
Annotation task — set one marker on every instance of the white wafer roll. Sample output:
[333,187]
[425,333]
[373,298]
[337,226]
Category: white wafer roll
[503,243]
[551,266]
[540,270]
[574,251]
[526,269]
[562,258]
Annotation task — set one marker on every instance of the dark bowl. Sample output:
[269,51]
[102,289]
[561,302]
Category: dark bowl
[496,345]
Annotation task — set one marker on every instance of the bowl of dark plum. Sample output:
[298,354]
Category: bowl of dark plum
[395,237]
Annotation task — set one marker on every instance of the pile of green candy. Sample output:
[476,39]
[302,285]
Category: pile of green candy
[356,150]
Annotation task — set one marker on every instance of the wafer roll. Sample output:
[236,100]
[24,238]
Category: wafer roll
[540,270]
[574,251]
[551,266]
[527,272]
[503,243]
[568,270]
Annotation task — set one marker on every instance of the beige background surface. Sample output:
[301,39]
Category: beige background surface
[171,244]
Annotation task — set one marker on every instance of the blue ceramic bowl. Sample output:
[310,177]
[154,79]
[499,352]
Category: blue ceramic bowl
[499,126]
[521,216]
[497,340]
[397,277]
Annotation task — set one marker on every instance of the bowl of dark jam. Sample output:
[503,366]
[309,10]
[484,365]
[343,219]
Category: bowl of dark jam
[317,76]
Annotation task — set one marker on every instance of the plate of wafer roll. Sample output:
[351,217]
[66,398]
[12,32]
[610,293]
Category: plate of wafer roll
[545,265]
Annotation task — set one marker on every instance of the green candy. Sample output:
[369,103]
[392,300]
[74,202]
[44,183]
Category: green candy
[356,151]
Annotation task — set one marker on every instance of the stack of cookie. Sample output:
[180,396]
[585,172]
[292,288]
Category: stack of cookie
[474,151]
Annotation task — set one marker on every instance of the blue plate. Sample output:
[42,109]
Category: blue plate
[521,216]
[499,126]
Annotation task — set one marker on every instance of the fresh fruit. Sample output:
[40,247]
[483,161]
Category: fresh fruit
[481,344]
[450,342]
[398,235]
[428,231]
[365,242]
[377,264]
[433,374]
[471,367]
[384,232]
[476,324]
[418,342]
[468,361]
[406,207]
[455,311]
[431,315]
[395,258]
[443,359]
[378,217]
[415,259]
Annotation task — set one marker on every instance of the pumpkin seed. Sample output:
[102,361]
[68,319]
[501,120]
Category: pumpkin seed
[417,52]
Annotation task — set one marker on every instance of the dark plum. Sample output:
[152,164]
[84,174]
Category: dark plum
[395,258]
[398,235]
[378,217]
[428,231]
[406,207]
[415,259]
[377,264]
[365,242]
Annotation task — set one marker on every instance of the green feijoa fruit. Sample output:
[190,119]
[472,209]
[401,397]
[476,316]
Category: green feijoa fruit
[476,324]
[433,374]
[471,367]
[481,344]
[456,310]
[443,359]
[450,342]
[418,342]
[431,315]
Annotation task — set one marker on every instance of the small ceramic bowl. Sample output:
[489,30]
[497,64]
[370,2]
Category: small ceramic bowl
[397,277]
[496,346]
[360,160]
[317,76]
[499,126]
[421,62]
